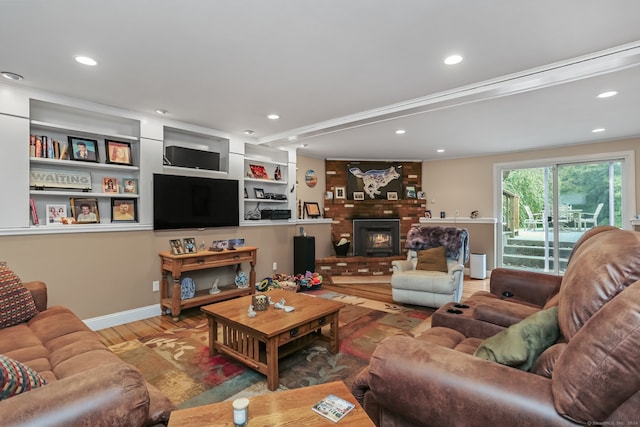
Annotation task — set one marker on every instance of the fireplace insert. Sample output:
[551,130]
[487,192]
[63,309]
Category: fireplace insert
[376,237]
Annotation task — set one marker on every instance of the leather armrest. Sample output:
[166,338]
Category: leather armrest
[39,293]
[423,382]
[110,395]
[401,265]
[529,286]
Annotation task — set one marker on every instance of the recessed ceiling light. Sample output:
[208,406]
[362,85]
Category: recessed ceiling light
[304,145]
[293,138]
[85,60]
[453,59]
[249,132]
[11,76]
[162,112]
[401,131]
[608,94]
[597,130]
[440,150]
[273,117]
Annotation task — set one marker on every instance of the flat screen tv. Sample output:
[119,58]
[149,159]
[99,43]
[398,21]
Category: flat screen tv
[194,202]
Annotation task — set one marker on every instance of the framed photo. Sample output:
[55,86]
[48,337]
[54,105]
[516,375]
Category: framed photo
[259,193]
[411,192]
[190,245]
[55,214]
[236,243]
[427,214]
[124,210]
[341,193]
[118,153]
[219,245]
[312,209]
[392,195]
[84,210]
[176,247]
[83,149]
[259,172]
[358,195]
[130,185]
[110,185]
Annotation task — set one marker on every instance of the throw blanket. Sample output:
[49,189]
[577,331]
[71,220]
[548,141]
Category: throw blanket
[452,238]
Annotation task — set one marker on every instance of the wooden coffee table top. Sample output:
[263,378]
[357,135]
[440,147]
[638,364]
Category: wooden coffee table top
[282,408]
[273,321]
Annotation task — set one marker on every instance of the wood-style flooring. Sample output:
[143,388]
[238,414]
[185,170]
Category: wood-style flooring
[376,287]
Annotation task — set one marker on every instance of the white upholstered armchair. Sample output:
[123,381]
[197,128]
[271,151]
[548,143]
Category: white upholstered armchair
[433,273]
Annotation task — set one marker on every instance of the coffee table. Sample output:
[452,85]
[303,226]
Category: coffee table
[282,408]
[260,341]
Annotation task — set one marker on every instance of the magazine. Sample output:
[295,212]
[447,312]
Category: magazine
[333,407]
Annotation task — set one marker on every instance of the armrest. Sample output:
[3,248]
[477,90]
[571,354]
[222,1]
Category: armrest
[39,293]
[455,267]
[113,394]
[401,265]
[422,381]
[532,287]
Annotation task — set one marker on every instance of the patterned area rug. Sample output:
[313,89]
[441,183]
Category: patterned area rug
[177,361]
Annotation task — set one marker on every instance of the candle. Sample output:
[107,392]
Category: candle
[240,411]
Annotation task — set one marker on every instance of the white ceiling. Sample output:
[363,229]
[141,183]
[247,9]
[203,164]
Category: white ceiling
[345,74]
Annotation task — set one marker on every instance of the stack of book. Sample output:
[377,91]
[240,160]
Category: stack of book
[45,147]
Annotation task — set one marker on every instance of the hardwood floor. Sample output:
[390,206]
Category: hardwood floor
[377,288]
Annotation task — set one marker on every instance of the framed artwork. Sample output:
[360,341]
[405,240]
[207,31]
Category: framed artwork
[110,185]
[376,179]
[190,245]
[312,209]
[259,172]
[84,210]
[236,243]
[219,245]
[124,210]
[130,185]
[427,214]
[118,153]
[259,193]
[55,214]
[392,195]
[83,149]
[176,247]
[411,192]
[358,195]
[341,193]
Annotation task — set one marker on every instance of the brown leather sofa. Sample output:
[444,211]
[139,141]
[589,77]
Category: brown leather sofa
[590,376]
[87,385]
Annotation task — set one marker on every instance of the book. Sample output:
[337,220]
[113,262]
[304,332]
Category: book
[34,212]
[333,407]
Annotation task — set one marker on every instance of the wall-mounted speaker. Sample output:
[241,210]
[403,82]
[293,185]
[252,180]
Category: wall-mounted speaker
[192,158]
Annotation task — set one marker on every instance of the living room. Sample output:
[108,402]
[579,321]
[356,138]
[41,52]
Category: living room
[106,276]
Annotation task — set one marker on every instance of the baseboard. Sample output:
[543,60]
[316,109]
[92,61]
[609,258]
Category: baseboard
[115,319]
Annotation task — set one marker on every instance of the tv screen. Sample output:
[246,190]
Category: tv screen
[194,202]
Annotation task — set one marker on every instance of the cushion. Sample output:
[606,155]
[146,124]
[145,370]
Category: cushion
[521,344]
[16,302]
[434,259]
[16,378]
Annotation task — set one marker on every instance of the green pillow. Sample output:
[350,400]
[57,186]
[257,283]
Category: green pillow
[521,344]
[434,259]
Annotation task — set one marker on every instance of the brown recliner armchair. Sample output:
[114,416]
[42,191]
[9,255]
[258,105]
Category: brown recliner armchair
[589,376]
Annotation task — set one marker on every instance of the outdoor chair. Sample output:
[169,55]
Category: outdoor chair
[533,220]
[591,218]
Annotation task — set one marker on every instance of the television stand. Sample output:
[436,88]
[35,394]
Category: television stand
[177,264]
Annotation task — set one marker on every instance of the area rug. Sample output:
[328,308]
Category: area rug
[177,361]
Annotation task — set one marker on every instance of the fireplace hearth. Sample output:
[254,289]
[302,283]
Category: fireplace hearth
[376,237]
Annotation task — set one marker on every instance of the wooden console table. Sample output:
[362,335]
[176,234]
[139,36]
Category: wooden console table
[177,264]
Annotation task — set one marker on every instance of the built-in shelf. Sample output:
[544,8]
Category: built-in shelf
[79,129]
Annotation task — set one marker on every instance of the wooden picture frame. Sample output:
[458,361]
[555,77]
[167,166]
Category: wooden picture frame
[341,192]
[259,172]
[259,192]
[392,195]
[124,210]
[85,210]
[312,209]
[118,153]
[110,185]
[358,195]
[130,185]
[176,247]
[190,245]
[83,149]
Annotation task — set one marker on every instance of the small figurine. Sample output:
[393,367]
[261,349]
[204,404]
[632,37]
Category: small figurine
[214,288]
[251,312]
[277,174]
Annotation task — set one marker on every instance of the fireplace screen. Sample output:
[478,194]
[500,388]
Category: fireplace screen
[378,241]
[376,237]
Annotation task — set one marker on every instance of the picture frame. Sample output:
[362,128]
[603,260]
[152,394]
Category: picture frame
[176,247]
[358,195]
[219,245]
[259,193]
[312,209]
[124,210]
[130,185]
[110,185]
[410,191]
[392,195]
[190,245]
[55,214]
[259,172]
[83,149]
[236,243]
[118,153]
[427,213]
[341,193]
[85,210]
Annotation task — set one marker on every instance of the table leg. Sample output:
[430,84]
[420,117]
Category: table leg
[334,338]
[272,364]
[175,299]
[213,336]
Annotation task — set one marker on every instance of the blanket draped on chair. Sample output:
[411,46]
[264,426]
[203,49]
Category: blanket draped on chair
[452,238]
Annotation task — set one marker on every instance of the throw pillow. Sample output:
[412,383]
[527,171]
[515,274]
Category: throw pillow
[16,302]
[521,344]
[434,259]
[16,378]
